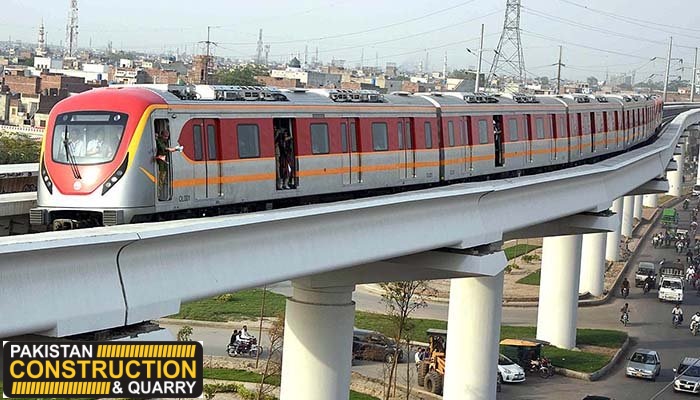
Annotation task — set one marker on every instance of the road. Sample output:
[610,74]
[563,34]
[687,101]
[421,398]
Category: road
[649,327]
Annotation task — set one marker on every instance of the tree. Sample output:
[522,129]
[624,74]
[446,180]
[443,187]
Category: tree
[543,80]
[592,82]
[184,334]
[401,300]
[18,148]
[241,76]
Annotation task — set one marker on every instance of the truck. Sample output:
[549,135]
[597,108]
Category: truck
[644,269]
[671,283]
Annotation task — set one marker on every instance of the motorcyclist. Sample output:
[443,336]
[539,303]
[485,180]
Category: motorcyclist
[244,335]
[694,320]
[649,281]
[677,311]
[625,310]
[686,203]
[625,286]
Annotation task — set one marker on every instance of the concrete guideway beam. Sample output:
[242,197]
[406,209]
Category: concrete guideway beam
[318,329]
[473,334]
[59,293]
[17,203]
[627,216]
[592,278]
[558,302]
[164,264]
[654,186]
[573,225]
[612,244]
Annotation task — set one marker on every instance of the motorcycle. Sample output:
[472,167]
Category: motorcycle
[676,320]
[686,203]
[694,328]
[647,287]
[543,367]
[625,318]
[625,292]
[248,347]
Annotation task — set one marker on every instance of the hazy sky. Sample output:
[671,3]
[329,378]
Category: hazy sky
[398,31]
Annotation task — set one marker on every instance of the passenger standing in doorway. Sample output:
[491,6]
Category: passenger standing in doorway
[288,150]
[162,151]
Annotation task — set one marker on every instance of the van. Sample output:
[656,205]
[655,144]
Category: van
[687,376]
[671,289]
[696,190]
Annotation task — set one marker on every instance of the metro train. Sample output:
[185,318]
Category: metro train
[254,148]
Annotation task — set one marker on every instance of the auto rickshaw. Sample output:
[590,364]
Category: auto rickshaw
[523,350]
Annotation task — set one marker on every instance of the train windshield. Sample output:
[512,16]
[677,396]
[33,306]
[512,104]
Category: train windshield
[87,138]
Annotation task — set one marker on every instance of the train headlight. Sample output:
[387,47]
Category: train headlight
[45,178]
[118,174]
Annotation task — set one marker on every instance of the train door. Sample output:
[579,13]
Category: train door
[465,133]
[499,141]
[554,134]
[528,138]
[407,153]
[346,158]
[592,129]
[164,186]
[207,175]
[285,153]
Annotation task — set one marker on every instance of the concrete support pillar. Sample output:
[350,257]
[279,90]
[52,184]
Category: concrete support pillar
[558,304]
[627,216]
[317,344]
[697,173]
[612,245]
[473,333]
[651,200]
[638,199]
[675,178]
[593,263]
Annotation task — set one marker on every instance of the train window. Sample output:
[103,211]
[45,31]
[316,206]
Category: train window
[380,139]
[573,125]
[319,139]
[428,136]
[463,131]
[483,132]
[353,137]
[344,137]
[451,133]
[513,129]
[197,136]
[399,135]
[211,142]
[528,121]
[539,128]
[562,127]
[409,138]
[248,141]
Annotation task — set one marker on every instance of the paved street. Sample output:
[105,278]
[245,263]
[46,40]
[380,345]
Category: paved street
[649,326]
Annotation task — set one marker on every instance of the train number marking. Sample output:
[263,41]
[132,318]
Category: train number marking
[183,198]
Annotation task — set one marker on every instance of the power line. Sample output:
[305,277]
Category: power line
[364,30]
[636,21]
[558,40]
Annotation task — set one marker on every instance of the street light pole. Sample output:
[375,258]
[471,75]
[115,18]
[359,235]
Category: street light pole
[668,67]
[478,67]
[695,74]
[559,73]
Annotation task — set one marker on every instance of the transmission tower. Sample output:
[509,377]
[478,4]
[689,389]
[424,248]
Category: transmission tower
[509,60]
[72,29]
[259,51]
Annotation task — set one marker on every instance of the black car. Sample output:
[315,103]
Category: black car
[371,345]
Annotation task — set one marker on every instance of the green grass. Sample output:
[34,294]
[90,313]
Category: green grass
[238,375]
[519,250]
[531,279]
[241,305]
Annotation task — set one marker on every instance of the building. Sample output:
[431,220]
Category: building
[43,63]
[310,79]
[279,82]
[200,71]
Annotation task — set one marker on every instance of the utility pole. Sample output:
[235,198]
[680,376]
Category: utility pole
[559,64]
[668,67]
[509,53]
[695,74]
[208,42]
[478,65]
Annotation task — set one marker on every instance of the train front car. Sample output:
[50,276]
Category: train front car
[95,145]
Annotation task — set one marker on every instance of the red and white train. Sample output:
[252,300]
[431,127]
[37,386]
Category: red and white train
[98,162]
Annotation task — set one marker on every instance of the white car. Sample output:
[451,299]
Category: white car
[696,190]
[509,371]
[671,289]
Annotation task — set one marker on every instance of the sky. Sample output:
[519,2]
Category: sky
[597,36]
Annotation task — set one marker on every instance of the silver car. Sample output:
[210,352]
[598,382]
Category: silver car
[687,376]
[644,363]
